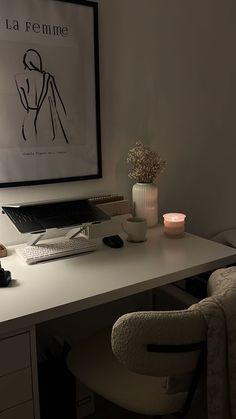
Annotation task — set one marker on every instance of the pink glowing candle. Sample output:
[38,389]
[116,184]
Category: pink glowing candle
[174,224]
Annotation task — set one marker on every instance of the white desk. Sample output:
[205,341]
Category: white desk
[57,288]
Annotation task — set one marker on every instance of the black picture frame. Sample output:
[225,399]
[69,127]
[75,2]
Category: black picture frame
[9,181]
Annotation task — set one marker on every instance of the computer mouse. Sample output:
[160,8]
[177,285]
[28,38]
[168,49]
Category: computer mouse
[113,241]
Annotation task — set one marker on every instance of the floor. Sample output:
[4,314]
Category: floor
[106,410]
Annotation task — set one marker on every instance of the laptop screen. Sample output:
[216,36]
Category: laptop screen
[41,217]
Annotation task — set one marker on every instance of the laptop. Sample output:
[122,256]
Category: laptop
[37,218]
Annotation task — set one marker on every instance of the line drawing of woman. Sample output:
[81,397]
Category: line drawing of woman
[37,90]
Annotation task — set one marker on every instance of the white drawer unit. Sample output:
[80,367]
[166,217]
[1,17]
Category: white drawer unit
[15,388]
[23,411]
[18,375]
[14,353]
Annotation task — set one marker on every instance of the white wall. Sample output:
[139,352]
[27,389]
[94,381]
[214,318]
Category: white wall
[168,77]
[168,72]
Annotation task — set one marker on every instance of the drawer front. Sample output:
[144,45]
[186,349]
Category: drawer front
[14,353]
[24,411]
[15,389]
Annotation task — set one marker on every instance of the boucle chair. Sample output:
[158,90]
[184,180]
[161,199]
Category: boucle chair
[149,364]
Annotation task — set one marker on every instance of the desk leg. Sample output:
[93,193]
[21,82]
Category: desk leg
[152,300]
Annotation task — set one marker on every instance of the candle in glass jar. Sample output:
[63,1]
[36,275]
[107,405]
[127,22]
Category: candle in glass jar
[174,224]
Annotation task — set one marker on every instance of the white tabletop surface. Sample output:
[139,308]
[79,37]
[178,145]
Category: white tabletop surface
[56,288]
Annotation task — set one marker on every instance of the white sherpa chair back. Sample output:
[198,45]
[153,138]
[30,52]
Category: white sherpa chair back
[164,343]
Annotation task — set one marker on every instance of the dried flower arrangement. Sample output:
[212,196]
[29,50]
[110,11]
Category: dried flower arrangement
[147,164]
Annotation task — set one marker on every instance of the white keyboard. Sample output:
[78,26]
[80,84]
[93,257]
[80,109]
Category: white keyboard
[54,250]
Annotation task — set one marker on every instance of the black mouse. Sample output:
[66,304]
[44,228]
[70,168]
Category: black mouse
[113,241]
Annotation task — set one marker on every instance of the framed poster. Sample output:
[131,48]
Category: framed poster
[49,92]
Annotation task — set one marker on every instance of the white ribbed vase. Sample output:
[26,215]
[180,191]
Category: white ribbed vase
[145,202]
